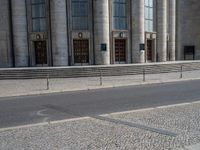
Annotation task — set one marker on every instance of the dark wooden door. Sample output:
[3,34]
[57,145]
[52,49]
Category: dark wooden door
[120,50]
[149,50]
[81,51]
[40,52]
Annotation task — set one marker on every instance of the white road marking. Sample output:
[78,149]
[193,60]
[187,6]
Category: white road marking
[128,112]
[43,124]
[85,118]
[42,114]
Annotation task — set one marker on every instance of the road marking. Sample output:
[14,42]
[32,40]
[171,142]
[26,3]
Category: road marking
[23,126]
[151,108]
[87,117]
[42,114]
[43,124]
[129,112]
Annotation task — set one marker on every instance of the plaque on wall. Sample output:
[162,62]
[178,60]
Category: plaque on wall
[103,47]
[142,47]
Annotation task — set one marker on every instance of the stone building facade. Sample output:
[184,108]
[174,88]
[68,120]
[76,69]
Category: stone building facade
[97,32]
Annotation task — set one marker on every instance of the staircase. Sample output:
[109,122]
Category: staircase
[94,71]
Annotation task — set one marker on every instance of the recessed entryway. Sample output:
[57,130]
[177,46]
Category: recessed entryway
[40,52]
[81,51]
[120,51]
[149,51]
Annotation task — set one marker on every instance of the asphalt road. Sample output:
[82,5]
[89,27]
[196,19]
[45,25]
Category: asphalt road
[16,111]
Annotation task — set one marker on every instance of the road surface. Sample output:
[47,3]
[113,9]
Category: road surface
[16,111]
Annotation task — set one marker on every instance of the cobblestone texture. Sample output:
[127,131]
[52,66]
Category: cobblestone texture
[95,134]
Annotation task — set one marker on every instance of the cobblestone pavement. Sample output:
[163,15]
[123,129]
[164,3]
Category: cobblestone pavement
[39,86]
[161,128]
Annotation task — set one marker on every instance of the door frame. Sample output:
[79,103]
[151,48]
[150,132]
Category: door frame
[126,51]
[43,64]
[147,50]
[73,59]
[151,36]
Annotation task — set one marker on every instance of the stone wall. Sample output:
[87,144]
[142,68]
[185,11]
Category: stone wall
[188,27]
[5,60]
[187,31]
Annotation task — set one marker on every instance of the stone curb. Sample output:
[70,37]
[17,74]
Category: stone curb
[192,147]
[95,88]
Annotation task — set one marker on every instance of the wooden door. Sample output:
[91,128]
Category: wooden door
[149,50]
[120,50]
[40,52]
[81,51]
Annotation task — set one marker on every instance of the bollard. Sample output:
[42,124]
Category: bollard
[181,73]
[144,78]
[101,80]
[48,82]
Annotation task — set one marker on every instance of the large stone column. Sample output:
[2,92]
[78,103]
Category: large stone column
[181,30]
[20,40]
[162,30]
[59,32]
[5,44]
[138,56]
[101,32]
[172,29]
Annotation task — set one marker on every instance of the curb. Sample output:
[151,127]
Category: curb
[95,88]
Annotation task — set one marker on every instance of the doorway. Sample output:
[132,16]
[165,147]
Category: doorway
[40,52]
[120,51]
[81,51]
[149,55]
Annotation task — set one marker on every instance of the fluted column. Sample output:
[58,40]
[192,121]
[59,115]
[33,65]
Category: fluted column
[138,31]
[172,29]
[101,32]
[162,30]
[20,39]
[59,32]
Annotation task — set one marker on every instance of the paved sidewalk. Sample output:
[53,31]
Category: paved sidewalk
[192,147]
[39,86]
[162,128]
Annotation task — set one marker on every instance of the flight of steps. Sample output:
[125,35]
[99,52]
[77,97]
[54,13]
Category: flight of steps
[95,71]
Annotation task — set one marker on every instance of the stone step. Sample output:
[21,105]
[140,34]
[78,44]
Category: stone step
[95,71]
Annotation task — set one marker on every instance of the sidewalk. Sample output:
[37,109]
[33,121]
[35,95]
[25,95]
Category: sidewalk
[39,86]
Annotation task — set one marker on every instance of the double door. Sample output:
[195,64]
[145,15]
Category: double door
[40,52]
[149,55]
[120,50]
[81,51]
